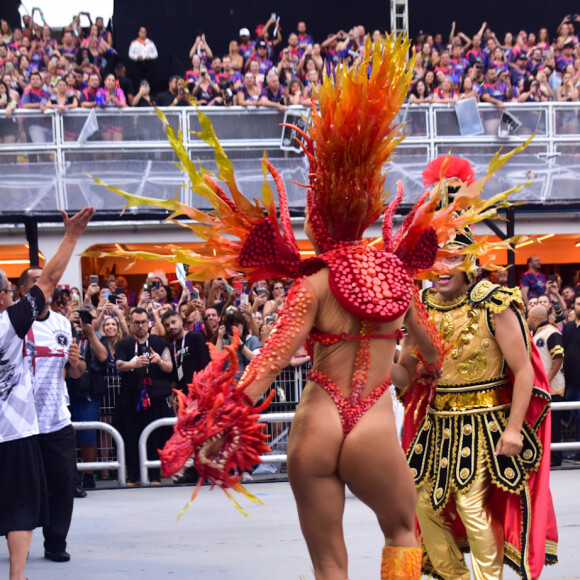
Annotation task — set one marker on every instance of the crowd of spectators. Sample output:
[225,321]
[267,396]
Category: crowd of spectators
[118,329]
[525,68]
[82,67]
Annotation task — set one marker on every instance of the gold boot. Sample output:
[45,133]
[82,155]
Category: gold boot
[401,563]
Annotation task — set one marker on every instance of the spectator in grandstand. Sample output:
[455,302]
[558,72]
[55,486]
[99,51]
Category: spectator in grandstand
[535,60]
[8,104]
[307,63]
[445,92]
[89,95]
[111,95]
[125,83]
[202,49]
[475,53]
[519,71]
[250,93]
[35,97]
[293,51]
[420,93]
[494,91]
[193,74]
[445,64]
[261,57]
[263,33]
[567,56]
[144,53]
[175,95]
[206,90]
[468,89]
[143,97]
[245,46]
[419,68]
[312,82]
[304,39]
[430,82]
[530,92]
[103,33]
[5,32]
[236,56]
[232,74]
[68,48]
[62,99]
[295,93]
[286,68]
[567,92]
[273,94]
[533,282]
[145,365]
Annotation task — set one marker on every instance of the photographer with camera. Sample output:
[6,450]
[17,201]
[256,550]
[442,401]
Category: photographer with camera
[206,91]
[85,392]
[144,362]
[249,345]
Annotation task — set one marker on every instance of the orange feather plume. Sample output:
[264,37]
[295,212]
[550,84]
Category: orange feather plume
[352,137]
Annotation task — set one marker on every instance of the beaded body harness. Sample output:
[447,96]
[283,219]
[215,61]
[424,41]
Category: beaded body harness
[353,407]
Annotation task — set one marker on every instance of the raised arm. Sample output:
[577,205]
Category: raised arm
[73,228]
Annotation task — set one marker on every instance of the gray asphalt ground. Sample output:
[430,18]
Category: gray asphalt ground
[133,534]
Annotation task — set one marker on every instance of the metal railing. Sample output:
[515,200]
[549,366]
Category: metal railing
[431,126]
[146,463]
[118,464]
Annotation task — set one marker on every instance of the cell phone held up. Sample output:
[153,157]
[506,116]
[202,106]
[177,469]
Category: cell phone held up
[94,279]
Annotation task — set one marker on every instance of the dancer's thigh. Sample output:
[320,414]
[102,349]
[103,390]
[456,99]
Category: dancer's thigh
[373,465]
[313,450]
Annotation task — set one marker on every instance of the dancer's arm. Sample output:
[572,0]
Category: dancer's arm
[289,334]
[508,334]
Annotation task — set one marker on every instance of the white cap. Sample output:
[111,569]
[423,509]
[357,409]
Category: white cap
[244,32]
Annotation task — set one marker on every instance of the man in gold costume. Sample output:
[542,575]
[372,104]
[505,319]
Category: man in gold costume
[475,445]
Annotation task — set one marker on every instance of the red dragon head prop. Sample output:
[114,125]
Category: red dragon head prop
[217,425]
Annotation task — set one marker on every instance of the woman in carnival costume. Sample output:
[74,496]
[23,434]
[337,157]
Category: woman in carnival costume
[349,301]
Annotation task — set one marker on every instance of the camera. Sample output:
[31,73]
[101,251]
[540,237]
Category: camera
[85,316]
[230,320]
[268,320]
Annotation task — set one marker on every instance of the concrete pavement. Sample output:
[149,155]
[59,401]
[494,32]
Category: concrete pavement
[133,534]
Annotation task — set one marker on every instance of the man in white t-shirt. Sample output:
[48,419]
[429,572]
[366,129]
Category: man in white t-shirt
[22,489]
[52,350]
[550,345]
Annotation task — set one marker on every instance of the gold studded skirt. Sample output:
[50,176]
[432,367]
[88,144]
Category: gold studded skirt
[444,452]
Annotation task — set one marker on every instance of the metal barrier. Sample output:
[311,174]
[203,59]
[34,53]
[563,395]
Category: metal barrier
[146,463]
[119,464]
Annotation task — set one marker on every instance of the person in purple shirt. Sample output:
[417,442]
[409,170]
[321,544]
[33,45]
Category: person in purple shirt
[273,93]
[567,56]
[304,39]
[261,57]
[494,91]
[533,282]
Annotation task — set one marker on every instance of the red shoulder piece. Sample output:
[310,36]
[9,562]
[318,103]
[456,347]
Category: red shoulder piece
[371,284]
